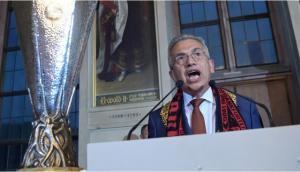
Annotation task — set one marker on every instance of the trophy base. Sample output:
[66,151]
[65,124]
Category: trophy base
[51,169]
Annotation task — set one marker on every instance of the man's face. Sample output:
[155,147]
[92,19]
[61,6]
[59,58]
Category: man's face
[192,66]
[145,133]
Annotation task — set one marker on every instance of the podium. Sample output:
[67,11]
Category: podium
[269,149]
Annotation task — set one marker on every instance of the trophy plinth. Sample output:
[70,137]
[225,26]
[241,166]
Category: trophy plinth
[53,37]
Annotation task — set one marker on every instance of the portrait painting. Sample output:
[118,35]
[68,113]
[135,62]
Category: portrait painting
[126,56]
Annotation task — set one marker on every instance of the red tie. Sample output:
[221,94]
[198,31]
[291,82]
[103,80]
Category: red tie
[198,124]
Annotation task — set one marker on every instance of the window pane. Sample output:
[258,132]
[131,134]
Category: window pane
[210,10]
[24,147]
[251,30]
[238,31]
[215,46]
[264,28]
[247,7]
[212,37]
[75,145]
[217,55]
[234,8]
[242,8]
[73,116]
[15,128]
[268,51]
[202,32]
[188,31]
[3,157]
[184,2]
[198,12]
[4,128]
[19,61]
[260,7]
[12,20]
[8,81]
[14,158]
[241,54]
[72,120]
[6,106]
[77,100]
[185,13]
[12,38]
[19,80]
[18,106]
[255,53]
[28,108]
[73,107]
[9,62]
[26,128]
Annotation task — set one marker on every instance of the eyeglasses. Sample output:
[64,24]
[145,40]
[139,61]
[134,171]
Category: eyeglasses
[197,54]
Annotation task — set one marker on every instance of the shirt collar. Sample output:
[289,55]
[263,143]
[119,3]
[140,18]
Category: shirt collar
[208,96]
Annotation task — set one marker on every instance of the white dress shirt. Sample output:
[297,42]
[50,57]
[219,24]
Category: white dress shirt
[207,108]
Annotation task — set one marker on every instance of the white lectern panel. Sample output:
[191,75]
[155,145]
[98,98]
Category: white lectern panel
[260,149]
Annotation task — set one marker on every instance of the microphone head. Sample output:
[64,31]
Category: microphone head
[179,83]
[212,83]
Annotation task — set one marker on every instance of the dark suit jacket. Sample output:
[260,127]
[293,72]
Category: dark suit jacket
[246,108]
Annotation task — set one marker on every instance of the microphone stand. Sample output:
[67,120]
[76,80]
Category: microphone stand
[179,84]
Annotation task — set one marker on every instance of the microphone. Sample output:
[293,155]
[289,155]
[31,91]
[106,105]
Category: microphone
[212,83]
[178,85]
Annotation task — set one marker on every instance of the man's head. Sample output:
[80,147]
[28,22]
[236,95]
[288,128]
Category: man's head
[189,61]
[144,131]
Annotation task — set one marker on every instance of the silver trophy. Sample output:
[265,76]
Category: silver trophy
[53,36]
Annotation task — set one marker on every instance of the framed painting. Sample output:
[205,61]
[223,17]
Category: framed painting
[125,53]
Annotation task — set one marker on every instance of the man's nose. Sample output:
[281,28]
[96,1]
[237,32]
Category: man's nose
[190,60]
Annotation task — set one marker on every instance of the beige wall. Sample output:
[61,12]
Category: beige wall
[294,7]
[96,124]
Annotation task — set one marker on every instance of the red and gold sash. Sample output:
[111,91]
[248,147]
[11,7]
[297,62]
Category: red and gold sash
[171,113]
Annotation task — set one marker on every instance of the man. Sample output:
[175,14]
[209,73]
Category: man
[216,110]
[144,132]
[111,19]
[121,36]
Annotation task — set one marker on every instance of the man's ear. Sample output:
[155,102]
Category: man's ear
[211,63]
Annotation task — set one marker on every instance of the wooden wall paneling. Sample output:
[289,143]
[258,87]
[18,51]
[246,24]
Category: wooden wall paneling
[258,92]
[292,100]
[229,87]
[279,102]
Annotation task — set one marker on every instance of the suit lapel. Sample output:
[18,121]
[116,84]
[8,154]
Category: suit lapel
[186,127]
[218,115]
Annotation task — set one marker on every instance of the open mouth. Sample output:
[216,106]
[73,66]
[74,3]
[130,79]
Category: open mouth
[193,75]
